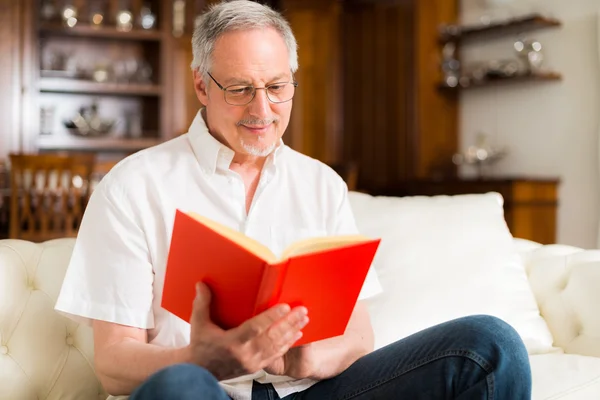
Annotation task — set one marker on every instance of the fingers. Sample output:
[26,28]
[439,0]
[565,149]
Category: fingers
[259,341]
[278,324]
[288,330]
[201,308]
[255,326]
[282,335]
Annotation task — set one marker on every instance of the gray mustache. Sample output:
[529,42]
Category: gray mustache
[256,122]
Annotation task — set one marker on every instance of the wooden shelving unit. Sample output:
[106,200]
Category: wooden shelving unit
[104,32]
[461,34]
[58,85]
[95,144]
[67,58]
[517,25]
[536,77]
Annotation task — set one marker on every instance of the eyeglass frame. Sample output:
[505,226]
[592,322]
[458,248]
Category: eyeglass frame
[224,89]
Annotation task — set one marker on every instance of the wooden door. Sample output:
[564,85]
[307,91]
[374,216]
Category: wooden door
[15,63]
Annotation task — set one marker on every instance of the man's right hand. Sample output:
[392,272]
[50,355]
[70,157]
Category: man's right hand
[247,348]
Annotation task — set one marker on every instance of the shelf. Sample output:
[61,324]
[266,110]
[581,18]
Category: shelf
[537,77]
[106,32]
[57,85]
[526,23]
[94,144]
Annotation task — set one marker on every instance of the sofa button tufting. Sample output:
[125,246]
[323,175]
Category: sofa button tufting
[70,341]
[3,350]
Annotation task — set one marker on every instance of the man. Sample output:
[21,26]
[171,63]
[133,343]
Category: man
[232,166]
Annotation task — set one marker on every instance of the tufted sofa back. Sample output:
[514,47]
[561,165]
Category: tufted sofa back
[43,355]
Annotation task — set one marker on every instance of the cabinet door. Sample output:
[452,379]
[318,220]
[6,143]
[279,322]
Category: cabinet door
[14,50]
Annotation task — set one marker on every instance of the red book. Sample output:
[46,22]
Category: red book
[324,274]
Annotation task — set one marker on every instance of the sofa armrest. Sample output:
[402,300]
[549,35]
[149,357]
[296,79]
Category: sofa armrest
[566,284]
[43,355]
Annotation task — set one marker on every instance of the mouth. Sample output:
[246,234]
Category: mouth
[257,129]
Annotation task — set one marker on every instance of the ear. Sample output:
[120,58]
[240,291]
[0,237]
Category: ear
[200,88]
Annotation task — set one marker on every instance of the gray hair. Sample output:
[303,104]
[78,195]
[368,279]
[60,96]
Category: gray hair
[237,15]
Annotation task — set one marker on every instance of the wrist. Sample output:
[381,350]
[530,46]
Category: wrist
[184,355]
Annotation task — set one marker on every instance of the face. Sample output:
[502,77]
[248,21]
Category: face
[249,57]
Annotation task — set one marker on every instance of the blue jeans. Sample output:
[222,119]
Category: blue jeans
[477,357]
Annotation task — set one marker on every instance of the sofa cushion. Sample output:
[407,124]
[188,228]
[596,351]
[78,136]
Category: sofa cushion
[565,376]
[442,258]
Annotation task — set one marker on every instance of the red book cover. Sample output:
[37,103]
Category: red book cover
[323,274]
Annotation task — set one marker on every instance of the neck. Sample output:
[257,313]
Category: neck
[247,162]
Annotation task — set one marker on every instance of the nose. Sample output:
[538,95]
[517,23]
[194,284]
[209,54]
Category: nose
[260,106]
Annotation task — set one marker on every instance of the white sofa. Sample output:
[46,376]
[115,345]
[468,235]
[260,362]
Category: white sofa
[441,257]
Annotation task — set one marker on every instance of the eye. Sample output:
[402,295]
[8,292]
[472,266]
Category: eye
[240,90]
[277,87]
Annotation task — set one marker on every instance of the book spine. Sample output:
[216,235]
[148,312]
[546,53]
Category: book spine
[269,291]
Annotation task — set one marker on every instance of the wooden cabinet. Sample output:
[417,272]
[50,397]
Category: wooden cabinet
[11,54]
[120,73]
[530,205]
[139,77]
[368,92]
[368,82]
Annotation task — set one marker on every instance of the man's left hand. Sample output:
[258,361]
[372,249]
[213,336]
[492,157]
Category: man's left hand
[327,358]
[298,362]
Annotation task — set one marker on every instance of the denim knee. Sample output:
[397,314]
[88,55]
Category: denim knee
[186,372]
[500,340]
[181,382]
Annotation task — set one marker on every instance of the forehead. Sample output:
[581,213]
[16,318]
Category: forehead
[250,54]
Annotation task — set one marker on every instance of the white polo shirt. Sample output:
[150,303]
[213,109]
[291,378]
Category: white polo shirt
[117,268]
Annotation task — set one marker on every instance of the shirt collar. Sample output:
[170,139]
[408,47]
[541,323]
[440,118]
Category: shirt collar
[212,154]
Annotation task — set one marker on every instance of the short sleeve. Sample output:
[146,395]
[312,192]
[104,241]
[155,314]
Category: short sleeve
[344,224]
[110,275]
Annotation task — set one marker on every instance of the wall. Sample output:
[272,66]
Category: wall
[550,129]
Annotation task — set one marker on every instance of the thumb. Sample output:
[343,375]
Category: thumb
[201,306]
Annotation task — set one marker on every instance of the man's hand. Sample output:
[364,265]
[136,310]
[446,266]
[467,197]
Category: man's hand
[297,363]
[327,358]
[246,349]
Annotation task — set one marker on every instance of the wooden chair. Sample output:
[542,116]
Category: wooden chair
[48,195]
[101,168]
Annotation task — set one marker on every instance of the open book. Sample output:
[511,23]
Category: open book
[324,274]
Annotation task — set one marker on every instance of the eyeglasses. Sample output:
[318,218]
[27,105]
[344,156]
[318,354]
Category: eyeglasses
[240,95]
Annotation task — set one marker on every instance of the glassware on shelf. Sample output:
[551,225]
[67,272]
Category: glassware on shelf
[482,155]
[147,18]
[88,123]
[46,119]
[124,21]
[496,10]
[48,10]
[530,51]
[69,15]
[450,65]
[96,16]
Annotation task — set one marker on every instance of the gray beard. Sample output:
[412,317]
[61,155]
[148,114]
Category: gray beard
[258,151]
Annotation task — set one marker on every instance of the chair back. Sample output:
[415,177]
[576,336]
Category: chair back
[101,168]
[49,193]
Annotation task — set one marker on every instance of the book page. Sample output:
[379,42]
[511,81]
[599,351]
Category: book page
[313,245]
[246,242]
